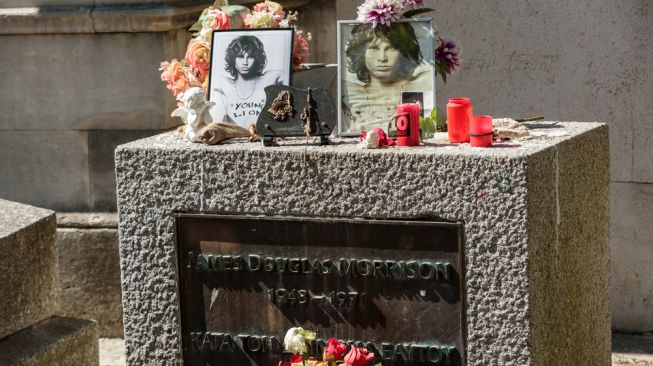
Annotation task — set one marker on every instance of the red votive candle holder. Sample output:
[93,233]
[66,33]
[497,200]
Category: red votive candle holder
[480,131]
[408,124]
[459,115]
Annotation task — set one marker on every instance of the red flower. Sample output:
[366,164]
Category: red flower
[358,356]
[293,359]
[335,349]
[384,140]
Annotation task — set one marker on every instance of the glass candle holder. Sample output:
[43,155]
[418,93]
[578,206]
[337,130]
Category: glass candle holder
[481,131]
[459,115]
[408,124]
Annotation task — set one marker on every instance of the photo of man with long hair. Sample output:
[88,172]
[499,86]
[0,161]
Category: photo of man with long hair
[379,64]
[238,87]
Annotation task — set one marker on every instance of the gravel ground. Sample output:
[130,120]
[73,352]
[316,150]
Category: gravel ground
[628,350]
[112,352]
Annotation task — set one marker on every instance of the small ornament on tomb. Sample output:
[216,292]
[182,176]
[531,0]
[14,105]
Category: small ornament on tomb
[281,107]
[318,117]
[194,113]
[215,133]
[307,114]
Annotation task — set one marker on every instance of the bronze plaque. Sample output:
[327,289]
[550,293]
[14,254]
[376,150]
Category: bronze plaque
[394,287]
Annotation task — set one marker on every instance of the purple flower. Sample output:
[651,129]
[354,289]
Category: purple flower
[380,11]
[447,54]
[413,4]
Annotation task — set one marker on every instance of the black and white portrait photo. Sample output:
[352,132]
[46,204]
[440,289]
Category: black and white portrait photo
[377,65]
[243,63]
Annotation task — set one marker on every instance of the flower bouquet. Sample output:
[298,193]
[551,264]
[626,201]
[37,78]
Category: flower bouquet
[335,352]
[193,69]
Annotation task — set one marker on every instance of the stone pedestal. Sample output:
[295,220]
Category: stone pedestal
[30,331]
[29,291]
[54,341]
[535,218]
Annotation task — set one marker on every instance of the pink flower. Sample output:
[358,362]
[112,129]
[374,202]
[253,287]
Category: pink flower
[358,356]
[335,349]
[380,11]
[198,57]
[216,19]
[175,77]
[447,54]
[300,48]
[413,4]
[270,7]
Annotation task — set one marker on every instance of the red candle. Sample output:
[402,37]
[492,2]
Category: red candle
[481,131]
[459,114]
[408,124]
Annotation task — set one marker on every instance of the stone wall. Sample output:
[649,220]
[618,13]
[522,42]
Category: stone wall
[89,269]
[82,77]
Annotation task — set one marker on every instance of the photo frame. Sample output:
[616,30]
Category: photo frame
[376,67]
[243,63]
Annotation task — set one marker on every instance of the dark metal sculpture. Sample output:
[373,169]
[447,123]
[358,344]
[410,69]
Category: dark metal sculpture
[318,117]
[281,107]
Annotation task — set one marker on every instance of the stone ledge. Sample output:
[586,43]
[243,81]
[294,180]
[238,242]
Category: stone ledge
[347,146]
[54,341]
[16,216]
[101,19]
[83,220]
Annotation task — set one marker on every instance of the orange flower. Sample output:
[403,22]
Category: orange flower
[198,57]
[175,77]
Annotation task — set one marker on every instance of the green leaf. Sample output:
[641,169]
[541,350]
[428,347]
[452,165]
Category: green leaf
[308,335]
[233,10]
[415,12]
[443,69]
[440,120]
[198,24]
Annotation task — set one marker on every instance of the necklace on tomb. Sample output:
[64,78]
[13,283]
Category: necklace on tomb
[250,93]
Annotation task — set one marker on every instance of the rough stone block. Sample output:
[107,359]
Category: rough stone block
[56,341]
[89,270]
[101,146]
[28,266]
[632,255]
[45,168]
[534,213]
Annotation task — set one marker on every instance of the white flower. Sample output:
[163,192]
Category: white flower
[295,340]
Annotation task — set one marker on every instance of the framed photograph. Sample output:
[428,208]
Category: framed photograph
[378,67]
[243,63]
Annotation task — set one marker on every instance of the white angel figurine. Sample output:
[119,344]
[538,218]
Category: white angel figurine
[194,113]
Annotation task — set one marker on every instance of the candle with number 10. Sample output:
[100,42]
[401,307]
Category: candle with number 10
[408,124]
